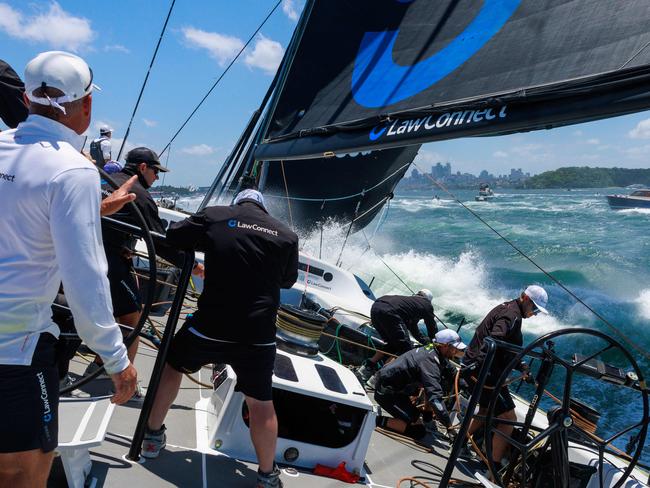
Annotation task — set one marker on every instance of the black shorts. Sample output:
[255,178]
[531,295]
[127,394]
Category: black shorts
[253,365]
[399,405]
[125,293]
[392,330]
[504,402]
[29,401]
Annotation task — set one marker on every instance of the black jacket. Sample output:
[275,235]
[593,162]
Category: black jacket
[503,322]
[115,241]
[249,256]
[422,367]
[411,309]
[13,110]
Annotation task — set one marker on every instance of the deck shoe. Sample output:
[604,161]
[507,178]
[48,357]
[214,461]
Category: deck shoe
[138,396]
[154,442]
[367,369]
[372,382]
[269,480]
[68,380]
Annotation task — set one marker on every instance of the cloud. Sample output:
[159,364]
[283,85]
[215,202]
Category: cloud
[150,123]
[641,131]
[117,47]
[221,47]
[54,27]
[593,141]
[427,158]
[640,152]
[292,9]
[266,55]
[500,154]
[578,133]
[198,150]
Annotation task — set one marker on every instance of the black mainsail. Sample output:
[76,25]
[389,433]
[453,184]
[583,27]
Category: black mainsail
[372,74]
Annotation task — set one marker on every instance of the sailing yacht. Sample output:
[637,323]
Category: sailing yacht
[380,78]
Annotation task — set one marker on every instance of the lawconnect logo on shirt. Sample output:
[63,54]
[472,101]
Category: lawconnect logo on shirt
[237,224]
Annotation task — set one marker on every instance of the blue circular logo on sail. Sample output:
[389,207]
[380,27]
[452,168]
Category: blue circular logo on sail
[377,81]
[232,223]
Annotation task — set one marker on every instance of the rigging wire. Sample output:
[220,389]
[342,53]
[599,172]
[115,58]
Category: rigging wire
[286,189]
[214,85]
[546,273]
[146,78]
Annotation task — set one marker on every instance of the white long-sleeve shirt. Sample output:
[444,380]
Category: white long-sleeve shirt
[50,232]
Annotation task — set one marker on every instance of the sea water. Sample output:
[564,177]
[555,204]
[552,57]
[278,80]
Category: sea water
[601,255]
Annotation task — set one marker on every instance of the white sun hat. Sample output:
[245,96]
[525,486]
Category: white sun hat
[57,69]
[538,296]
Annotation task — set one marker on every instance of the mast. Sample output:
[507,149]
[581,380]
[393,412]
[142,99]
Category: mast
[283,72]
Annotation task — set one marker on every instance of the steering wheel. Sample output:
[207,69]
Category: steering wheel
[530,440]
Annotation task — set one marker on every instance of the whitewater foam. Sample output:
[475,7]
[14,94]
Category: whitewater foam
[643,303]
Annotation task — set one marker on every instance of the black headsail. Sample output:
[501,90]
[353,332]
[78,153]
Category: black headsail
[372,74]
[350,187]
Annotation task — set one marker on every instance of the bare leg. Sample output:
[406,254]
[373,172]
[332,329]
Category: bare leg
[131,320]
[264,431]
[476,424]
[170,382]
[396,425]
[499,444]
[27,469]
[376,358]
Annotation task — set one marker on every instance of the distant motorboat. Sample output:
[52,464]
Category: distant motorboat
[485,193]
[636,199]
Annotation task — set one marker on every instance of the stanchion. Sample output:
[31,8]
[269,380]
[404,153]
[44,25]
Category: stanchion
[168,334]
[469,412]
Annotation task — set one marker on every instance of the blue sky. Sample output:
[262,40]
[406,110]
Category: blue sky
[117,39]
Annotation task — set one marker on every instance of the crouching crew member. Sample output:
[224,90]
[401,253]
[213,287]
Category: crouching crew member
[249,256]
[394,316]
[503,322]
[425,367]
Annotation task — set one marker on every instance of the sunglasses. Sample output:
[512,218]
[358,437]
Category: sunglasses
[535,310]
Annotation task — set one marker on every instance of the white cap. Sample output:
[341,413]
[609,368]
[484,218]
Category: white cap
[63,71]
[451,337]
[104,129]
[538,296]
[426,294]
[249,194]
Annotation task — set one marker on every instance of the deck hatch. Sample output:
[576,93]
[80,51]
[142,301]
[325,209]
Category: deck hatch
[330,379]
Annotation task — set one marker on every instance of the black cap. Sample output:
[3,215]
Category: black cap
[144,155]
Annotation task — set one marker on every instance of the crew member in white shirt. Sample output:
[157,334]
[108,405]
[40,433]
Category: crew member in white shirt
[49,233]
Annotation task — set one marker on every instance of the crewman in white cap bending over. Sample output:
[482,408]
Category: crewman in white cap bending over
[503,322]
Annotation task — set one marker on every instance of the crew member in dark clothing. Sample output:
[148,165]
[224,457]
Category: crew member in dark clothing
[13,110]
[249,256]
[503,323]
[425,367]
[394,316]
[119,246]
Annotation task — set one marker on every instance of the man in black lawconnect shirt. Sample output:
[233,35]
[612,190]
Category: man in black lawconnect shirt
[249,256]
[503,322]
